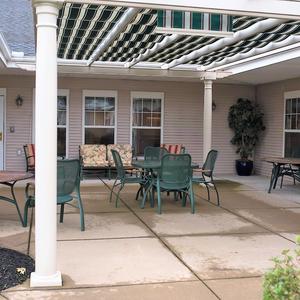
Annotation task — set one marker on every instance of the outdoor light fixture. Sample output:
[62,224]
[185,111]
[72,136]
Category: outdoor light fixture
[19,101]
[214,106]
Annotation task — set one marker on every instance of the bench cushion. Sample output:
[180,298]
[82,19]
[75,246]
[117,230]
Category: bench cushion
[173,148]
[93,155]
[30,155]
[125,151]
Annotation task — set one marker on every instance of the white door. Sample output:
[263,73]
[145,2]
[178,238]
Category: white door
[1,132]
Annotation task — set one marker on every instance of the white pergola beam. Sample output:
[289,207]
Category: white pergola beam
[255,51]
[168,40]
[113,34]
[262,60]
[281,9]
[224,42]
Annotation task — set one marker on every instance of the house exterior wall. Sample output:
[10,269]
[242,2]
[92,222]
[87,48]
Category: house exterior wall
[271,98]
[183,114]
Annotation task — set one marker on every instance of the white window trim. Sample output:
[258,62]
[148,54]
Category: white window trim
[157,95]
[3,93]
[60,92]
[288,95]
[99,93]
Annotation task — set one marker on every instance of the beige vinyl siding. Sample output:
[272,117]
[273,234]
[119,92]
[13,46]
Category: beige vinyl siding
[271,98]
[183,114]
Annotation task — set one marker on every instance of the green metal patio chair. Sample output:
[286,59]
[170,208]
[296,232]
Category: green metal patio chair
[68,182]
[123,176]
[154,153]
[207,171]
[175,175]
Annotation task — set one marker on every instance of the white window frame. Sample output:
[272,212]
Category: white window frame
[3,93]
[60,92]
[152,95]
[288,95]
[99,93]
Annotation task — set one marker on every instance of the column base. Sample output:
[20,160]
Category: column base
[44,281]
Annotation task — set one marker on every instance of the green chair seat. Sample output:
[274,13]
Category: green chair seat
[64,199]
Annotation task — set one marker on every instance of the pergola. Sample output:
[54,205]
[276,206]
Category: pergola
[122,37]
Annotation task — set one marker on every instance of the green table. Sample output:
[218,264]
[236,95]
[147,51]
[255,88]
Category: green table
[154,164]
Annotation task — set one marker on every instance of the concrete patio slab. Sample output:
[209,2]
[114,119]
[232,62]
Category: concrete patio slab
[290,235]
[237,289]
[229,185]
[214,257]
[119,261]
[101,226]
[278,220]
[11,225]
[174,291]
[254,199]
[211,220]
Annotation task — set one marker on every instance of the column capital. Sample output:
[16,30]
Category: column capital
[53,3]
[208,76]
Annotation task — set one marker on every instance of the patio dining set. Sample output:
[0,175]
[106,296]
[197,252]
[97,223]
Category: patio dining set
[167,168]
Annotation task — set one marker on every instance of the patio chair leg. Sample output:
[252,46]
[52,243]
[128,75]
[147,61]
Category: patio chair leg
[208,192]
[62,210]
[183,200]
[118,194]
[218,197]
[26,213]
[281,182]
[112,189]
[30,231]
[152,196]
[82,223]
[158,198]
[192,199]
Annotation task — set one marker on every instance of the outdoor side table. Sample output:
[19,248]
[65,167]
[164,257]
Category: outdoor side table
[10,178]
[278,163]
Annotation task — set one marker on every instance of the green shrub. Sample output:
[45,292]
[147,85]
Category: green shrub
[282,282]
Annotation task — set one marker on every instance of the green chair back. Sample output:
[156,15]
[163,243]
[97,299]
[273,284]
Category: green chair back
[68,176]
[176,170]
[210,162]
[154,153]
[118,164]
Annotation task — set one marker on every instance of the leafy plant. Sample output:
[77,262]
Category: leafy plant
[282,282]
[246,120]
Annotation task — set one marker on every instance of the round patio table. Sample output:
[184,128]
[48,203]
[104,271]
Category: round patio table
[10,178]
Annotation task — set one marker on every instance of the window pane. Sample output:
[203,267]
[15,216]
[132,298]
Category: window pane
[156,105]
[156,120]
[99,118]
[292,144]
[110,104]
[288,107]
[215,22]
[137,105]
[147,119]
[137,119]
[142,138]
[61,118]
[298,106]
[161,18]
[61,102]
[61,141]
[147,105]
[109,119]
[89,104]
[99,104]
[177,18]
[99,136]
[89,118]
[197,20]
[293,123]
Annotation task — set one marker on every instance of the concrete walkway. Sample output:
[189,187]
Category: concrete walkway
[130,253]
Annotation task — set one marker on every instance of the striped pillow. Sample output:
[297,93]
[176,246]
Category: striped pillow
[173,148]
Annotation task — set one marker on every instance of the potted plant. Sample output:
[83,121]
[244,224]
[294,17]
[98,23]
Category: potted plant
[246,120]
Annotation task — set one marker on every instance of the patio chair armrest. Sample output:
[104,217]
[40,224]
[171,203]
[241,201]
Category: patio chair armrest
[28,186]
[201,170]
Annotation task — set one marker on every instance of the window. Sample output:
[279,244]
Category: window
[62,105]
[99,117]
[292,125]
[147,120]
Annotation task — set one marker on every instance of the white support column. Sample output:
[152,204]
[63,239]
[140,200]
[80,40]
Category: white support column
[46,273]
[207,117]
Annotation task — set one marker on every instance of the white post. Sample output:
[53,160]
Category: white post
[46,273]
[207,118]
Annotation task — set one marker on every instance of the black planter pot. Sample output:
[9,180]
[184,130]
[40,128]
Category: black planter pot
[244,167]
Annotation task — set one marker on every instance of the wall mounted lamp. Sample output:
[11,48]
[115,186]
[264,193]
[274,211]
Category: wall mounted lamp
[19,101]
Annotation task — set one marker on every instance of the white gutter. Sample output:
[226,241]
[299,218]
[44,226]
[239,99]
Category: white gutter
[5,53]
[113,34]
[237,36]
[255,51]
[157,47]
